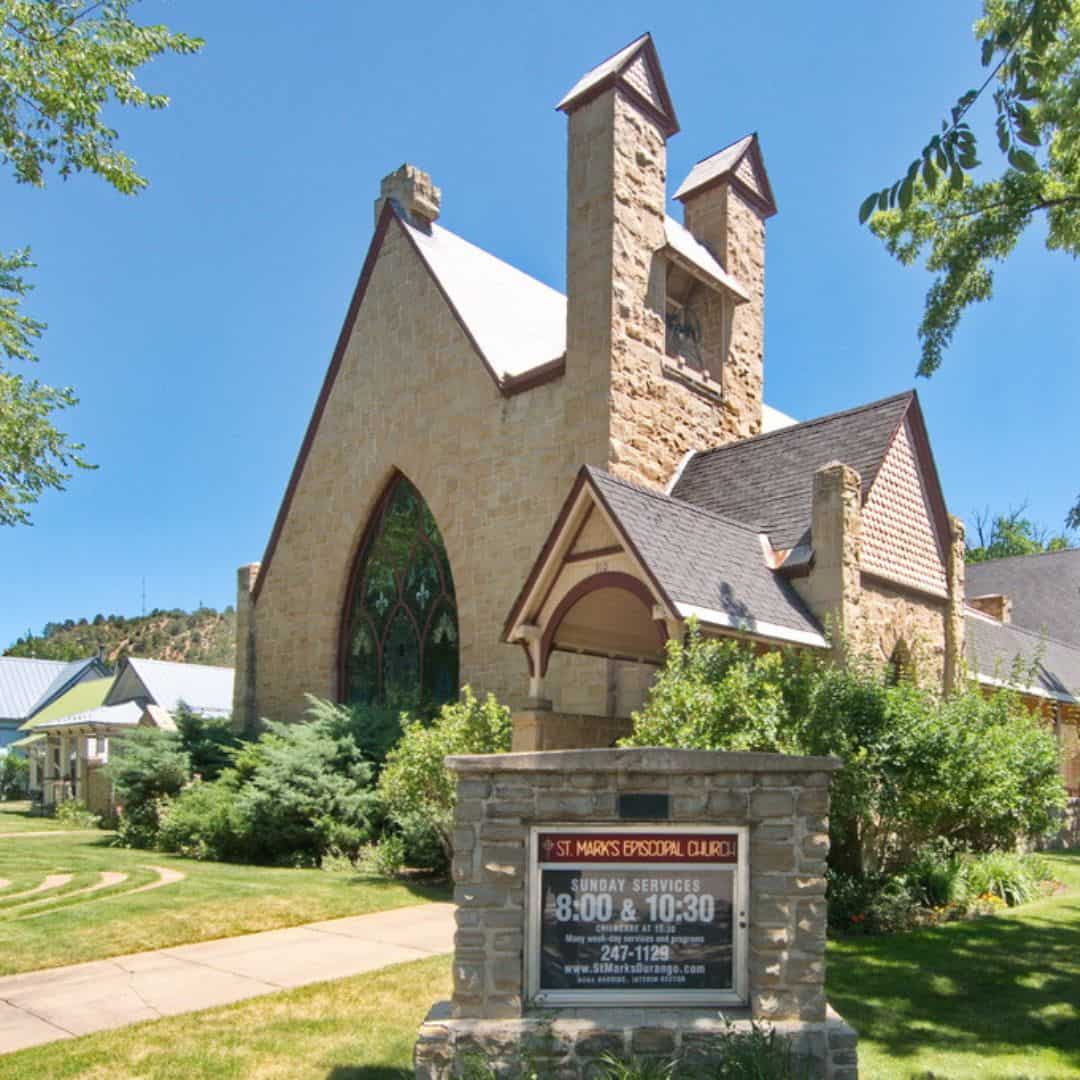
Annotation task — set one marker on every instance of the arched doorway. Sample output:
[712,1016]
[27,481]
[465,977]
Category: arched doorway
[399,643]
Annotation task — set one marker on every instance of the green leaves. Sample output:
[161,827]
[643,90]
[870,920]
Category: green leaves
[966,224]
[62,63]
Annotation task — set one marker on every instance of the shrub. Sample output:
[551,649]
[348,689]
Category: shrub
[373,729]
[75,814]
[416,787]
[872,903]
[1016,879]
[979,770]
[14,776]
[147,765]
[209,741]
[203,822]
[305,790]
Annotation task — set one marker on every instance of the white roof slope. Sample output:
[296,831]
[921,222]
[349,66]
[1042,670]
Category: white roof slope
[125,715]
[204,689]
[682,241]
[25,682]
[517,322]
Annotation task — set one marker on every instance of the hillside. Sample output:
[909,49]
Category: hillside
[205,636]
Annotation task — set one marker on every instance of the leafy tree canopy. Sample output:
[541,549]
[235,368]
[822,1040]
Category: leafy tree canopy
[62,62]
[1011,534]
[962,223]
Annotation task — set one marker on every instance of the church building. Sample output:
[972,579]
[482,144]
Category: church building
[530,492]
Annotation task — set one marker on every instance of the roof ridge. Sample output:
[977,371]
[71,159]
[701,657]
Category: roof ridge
[803,424]
[179,663]
[1026,555]
[982,617]
[662,496]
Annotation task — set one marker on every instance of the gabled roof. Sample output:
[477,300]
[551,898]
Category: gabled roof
[704,562]
[516,322]
[622,68]
[204,689]
[27,685]
[698,259]
[993,648]
[725,165]
[767,481]
[88,694]
[1044,590]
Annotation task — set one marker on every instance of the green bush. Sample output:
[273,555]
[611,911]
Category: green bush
[1014,878]
[147,766]
[75,814]
[209,741]
[203,822]
[416,787]
[14,776]
[980,771]
[373,729]
[872,903]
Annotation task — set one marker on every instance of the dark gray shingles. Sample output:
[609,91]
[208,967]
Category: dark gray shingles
[1044,590]
[703,559]
[993,647]
[768,481]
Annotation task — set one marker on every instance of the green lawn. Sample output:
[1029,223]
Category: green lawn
[15,817]
[996,998]
[214,900]
[361,1028]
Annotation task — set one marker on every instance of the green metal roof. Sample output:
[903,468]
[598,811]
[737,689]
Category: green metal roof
[81,697]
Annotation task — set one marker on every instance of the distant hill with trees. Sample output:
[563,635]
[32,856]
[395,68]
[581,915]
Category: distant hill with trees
[204,636]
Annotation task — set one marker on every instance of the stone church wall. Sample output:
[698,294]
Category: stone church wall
[412,393]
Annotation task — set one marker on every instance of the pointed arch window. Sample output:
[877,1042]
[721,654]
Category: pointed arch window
[400,644]
[901,666]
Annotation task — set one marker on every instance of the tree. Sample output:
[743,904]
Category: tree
[62,62]
[1011,534]
[962,224]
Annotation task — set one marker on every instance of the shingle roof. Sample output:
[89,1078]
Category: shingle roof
[1044,590]
[768,481]
[703,560]
[204,689]
[993,647]
[609,70]
[715,165]
[517,322]
[27,684]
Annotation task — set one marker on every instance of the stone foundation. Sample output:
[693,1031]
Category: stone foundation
[568,1044]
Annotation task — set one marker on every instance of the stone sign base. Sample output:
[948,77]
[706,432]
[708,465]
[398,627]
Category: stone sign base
[569,1044]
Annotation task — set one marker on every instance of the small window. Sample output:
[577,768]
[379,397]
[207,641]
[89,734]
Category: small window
[901,665]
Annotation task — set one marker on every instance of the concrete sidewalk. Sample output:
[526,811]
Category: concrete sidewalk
[61,1003]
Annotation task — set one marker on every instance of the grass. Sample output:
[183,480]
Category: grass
[362,1028]
[993,999]
[15,817]
[214,900]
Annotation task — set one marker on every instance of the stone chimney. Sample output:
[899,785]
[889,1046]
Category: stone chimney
[619,117]
[414,194]
[833,588]
[726,201]
[955,627]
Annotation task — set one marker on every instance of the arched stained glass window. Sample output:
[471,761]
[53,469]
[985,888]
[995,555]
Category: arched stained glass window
[401,633]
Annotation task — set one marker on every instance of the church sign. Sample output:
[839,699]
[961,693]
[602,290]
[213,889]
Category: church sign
[637,915]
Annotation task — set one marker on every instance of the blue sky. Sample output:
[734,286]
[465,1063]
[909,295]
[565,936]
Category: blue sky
[196,320]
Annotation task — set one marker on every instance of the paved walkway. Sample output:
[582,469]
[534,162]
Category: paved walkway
[60,1003]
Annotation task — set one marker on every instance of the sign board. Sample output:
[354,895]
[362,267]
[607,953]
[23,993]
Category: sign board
[637,915]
